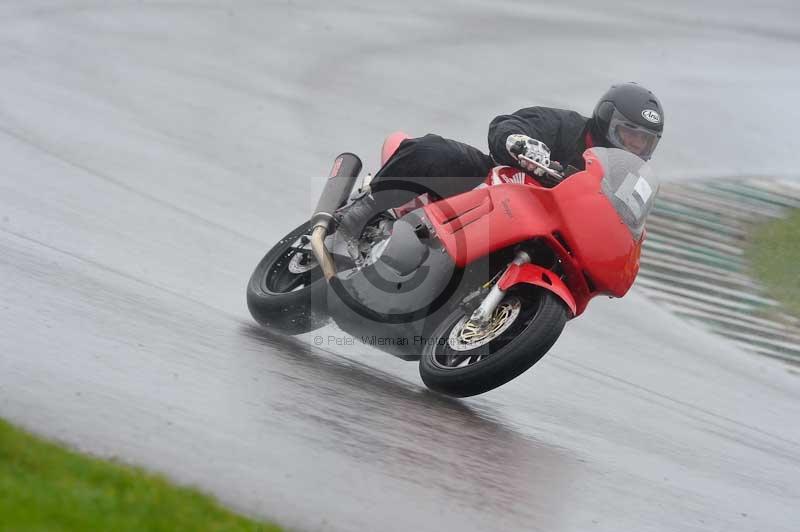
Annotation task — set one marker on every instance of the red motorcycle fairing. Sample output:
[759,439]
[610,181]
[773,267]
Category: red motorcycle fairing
[575,219]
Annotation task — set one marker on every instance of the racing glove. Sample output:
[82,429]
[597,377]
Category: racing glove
[549,180]
[518,144]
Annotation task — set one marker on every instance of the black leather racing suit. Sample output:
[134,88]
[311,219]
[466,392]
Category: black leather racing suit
[448,167]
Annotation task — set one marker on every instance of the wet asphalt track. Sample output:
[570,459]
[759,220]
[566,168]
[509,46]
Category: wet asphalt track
[151,152]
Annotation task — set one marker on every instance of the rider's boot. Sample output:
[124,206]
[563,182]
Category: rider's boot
[353,217]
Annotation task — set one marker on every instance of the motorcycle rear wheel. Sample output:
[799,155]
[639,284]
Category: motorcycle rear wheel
[458,361]
[286,292]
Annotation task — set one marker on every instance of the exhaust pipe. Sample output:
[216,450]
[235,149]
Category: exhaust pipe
[337,189]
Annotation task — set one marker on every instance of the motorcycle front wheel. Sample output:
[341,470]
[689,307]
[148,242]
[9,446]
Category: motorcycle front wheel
[286,292]
[461,360]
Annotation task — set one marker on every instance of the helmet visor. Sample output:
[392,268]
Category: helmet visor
[631,137]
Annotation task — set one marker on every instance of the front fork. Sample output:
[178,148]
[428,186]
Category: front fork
[482,315]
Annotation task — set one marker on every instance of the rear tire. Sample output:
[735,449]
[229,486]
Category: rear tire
[287,291]
[451,366]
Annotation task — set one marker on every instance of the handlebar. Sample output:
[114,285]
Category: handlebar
[554,173]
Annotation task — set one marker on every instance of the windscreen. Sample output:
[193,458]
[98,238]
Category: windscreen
[629,183]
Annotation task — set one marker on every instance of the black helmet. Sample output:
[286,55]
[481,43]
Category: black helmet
[630,117]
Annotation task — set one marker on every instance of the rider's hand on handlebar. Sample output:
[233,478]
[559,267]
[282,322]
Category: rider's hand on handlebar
[532,149]
[550,180]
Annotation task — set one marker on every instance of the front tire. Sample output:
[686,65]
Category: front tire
[458,361]
[287,291]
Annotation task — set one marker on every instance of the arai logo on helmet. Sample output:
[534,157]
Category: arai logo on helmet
[651,116]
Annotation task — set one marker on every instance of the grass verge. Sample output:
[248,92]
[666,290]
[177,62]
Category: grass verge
[774,253]
[47,487]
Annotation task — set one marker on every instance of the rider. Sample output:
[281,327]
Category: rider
[628,116]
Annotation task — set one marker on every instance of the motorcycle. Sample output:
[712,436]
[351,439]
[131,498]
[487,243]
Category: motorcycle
[476,286]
